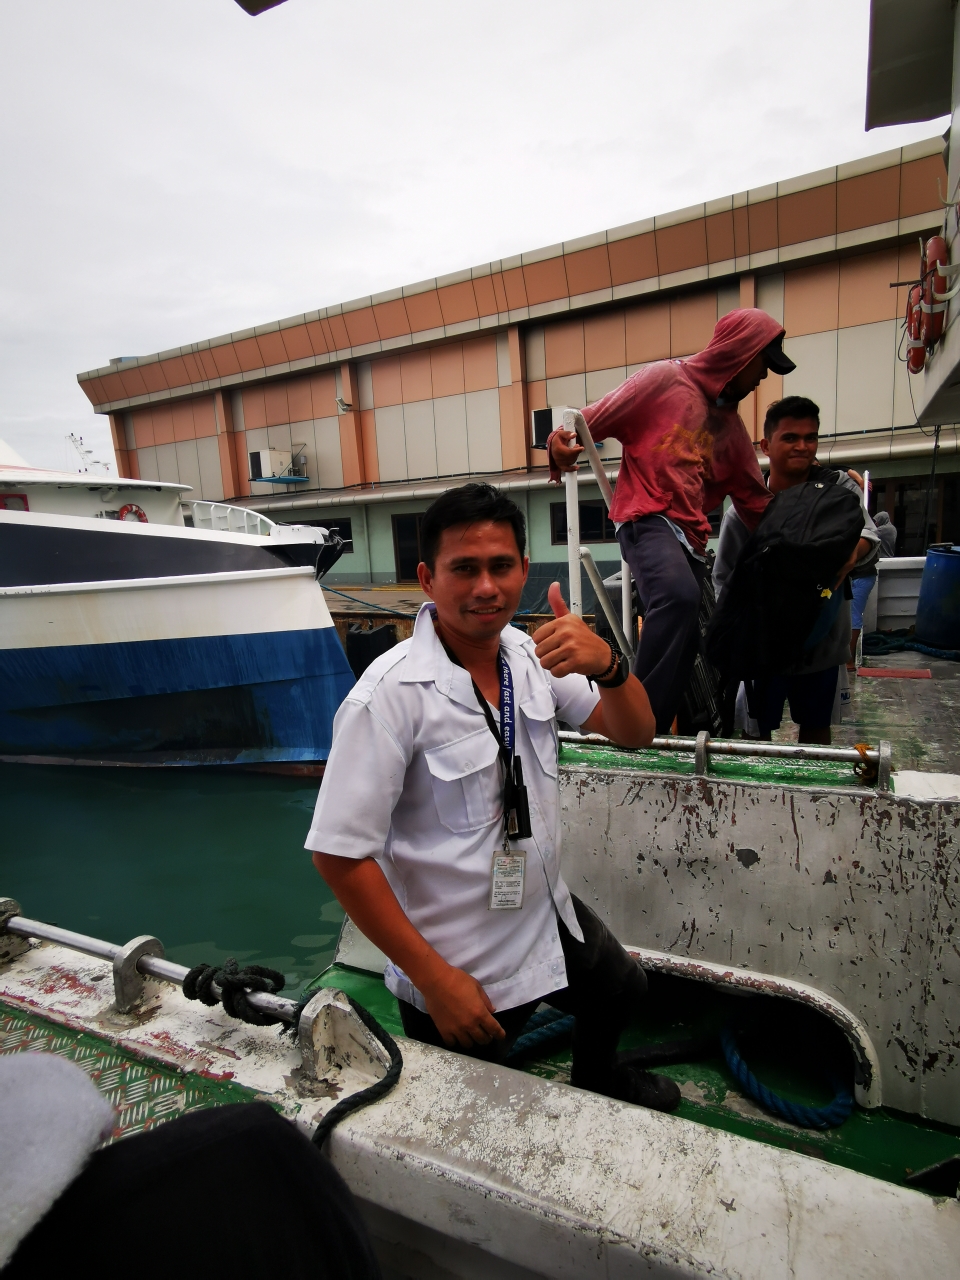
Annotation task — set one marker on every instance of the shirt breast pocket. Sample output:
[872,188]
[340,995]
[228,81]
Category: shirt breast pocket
[539,713]
[465,776]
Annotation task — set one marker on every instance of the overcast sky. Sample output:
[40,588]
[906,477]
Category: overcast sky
[174,169]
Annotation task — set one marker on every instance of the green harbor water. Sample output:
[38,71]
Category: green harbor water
[211,863]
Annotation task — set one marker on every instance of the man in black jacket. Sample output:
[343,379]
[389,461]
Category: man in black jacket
[791,433]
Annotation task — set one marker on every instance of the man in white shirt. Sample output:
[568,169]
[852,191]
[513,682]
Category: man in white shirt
[438,825]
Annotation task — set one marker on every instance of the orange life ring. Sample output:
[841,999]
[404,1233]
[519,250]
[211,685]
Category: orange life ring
[932,311]
[916,350]
[131,509]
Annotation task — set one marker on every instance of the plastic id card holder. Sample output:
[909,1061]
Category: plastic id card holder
[506,887]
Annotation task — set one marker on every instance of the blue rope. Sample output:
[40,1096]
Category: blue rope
[543,1027]
[878,643]
[795,1112]
[368,604]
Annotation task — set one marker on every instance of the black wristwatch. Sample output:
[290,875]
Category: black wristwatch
[616,673]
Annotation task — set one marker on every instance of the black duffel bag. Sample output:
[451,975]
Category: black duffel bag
[781,594]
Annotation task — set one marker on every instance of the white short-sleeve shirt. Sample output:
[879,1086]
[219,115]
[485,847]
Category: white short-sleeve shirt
[414,780]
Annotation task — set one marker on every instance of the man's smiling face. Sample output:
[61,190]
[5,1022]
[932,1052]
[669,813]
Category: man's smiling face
[476,580]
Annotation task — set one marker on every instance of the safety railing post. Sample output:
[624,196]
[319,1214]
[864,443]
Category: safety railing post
[572,487]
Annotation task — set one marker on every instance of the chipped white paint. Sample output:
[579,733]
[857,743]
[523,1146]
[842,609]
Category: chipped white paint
[854,893]
[529,1174]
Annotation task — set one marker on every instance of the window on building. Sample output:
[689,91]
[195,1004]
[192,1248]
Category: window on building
[342,525]
[595,523]
[406,545]
[922,513]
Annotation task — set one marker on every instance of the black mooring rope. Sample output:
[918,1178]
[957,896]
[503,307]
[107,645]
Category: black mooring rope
[374,1091]
[235,985]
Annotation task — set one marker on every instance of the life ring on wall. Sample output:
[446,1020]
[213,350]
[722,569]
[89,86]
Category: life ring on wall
[131,509]
[916,349]
[932,312]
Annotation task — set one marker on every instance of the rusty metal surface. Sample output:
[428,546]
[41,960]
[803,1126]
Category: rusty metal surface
[850,892]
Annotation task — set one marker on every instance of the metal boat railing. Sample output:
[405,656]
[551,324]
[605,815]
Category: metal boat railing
[226,518]
[141,957]
[878,759]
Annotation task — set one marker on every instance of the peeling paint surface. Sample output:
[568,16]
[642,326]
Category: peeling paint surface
[850,891]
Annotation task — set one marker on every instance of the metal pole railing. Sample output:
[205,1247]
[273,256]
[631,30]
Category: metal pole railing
[572,487]
[880,755]
[593,573]
[149,966]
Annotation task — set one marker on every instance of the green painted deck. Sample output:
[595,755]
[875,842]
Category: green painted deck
[883,1144]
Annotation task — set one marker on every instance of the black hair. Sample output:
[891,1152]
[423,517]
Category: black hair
[466,505]
[796,407]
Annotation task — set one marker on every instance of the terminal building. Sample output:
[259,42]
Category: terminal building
[357,415]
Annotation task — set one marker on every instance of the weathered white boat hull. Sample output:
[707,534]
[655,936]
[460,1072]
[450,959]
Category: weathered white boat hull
[486,1171]
[855,893]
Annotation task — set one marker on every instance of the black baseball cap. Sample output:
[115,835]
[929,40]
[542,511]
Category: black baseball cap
[775,359]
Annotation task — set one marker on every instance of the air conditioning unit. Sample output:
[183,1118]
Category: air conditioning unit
[543,421]
[267,463]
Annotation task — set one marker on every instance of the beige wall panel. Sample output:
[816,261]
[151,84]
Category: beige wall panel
[504,374]
[328,469]
[421,441]
[904,413]
[770,295]
[811,299]
[208,457]
[600,381]
[728,298]
[188,465]
[167,469]
[536,356]
[483,430]
[365,384]
[282,437]
[769,390]
[865,377]
[450,425]
[236,404]
[257,440]
[147,463]
[391,445]
[815,356]
[571,390]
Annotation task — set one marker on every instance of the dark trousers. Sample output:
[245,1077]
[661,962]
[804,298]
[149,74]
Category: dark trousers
[669,581]
[604,987]
[231,1191]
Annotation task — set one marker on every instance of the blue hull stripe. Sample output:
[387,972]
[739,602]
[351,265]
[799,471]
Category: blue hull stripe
[267,696]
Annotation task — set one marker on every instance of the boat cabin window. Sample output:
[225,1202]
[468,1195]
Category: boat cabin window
[14,502]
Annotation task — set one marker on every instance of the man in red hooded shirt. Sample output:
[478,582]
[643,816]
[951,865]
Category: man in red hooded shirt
[685,448]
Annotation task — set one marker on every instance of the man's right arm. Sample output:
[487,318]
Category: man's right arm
[456,1002]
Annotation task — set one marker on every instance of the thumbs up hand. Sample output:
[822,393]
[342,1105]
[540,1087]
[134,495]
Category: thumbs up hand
[567,645]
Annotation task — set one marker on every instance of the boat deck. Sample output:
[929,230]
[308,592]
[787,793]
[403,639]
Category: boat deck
[920,718]
[884,1143]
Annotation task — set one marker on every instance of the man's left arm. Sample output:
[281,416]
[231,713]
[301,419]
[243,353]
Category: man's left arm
[566,646]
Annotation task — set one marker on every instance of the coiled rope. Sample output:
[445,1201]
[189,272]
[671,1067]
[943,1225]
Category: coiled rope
[235,985]
[878,643]
[795,1112]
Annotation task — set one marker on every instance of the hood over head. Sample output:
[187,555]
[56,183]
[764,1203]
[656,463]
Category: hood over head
[739,336]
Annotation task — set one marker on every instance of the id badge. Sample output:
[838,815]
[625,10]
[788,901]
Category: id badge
[506,888]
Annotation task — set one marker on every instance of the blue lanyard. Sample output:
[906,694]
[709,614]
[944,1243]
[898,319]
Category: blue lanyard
[506,706]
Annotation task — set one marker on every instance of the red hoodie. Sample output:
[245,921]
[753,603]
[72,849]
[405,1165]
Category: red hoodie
[682,453]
